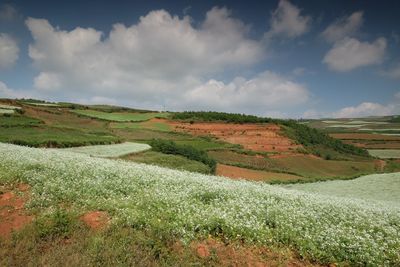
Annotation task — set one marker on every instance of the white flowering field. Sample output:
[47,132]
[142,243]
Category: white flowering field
[3,106]
[374,187]
[6,111]
[189,205]
[110,151]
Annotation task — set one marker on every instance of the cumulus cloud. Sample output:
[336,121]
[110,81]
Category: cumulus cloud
[367,109]
[287,21]
[350,53]
[8,51]
[343,27]
[265,92]
[161,53]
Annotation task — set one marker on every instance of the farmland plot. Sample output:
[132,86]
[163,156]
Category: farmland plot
[120,116]
[382,187]
[321,227]
[111,151]
[385,153]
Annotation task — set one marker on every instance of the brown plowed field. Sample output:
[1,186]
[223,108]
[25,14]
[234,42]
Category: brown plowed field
[257,137]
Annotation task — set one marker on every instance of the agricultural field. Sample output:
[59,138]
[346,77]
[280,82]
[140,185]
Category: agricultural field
[110,151]
[374,187]
[120,116]
[188,206]
[385,153]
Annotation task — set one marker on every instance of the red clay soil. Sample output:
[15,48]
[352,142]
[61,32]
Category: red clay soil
[12,213]
[96,219]
[253,175]
[257,137]
[241,255]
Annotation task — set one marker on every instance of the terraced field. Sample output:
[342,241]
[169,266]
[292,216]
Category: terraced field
[320,227]
[120,116]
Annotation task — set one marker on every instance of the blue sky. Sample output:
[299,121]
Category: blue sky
[278,58]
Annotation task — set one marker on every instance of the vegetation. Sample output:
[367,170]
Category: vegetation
[170,161]
[16,120]
[170,147]
[382,187]
[45,136]
[119,116]
[385,153]
[308,137]
[111,151]
[188,206]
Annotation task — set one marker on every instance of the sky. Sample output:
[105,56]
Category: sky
[281,58]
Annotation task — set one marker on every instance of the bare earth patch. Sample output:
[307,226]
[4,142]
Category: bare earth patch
[254,175]
[12,214]
[257,137]
[96,220]
[241,255]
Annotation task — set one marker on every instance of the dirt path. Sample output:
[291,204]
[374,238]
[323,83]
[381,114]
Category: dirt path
[12,214]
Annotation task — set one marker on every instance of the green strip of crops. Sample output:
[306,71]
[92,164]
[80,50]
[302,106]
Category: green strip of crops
[188,205]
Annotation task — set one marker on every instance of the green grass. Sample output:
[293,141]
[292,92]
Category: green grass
[169,161]
[241,160]
[16,120]
[382,187]
[203,144]
[385,153]
[119,116]
[157,126]
[45,136]
[314,168]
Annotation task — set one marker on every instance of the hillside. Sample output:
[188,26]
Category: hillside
[265,149]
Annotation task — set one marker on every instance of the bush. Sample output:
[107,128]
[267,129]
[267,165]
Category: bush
[170,147]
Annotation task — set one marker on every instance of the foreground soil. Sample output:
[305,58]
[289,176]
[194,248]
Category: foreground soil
[253,175]
[12,214]
[257,137]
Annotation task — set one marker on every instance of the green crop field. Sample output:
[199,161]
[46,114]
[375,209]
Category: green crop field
[385,153]
[120,116]
[110,151]
[186,205]
[15,120]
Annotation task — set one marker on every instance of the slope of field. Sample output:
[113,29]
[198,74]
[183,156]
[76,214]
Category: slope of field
[324,228]
[119,116]
[253,175]
[111,151]
[382,187]
[385,153]
[267,137]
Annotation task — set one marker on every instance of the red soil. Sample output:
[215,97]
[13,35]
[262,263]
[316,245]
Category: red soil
[96,219]
[241,255]
[12,214]
[257,137]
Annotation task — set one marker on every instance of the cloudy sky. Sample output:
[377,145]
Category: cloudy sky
[281,58]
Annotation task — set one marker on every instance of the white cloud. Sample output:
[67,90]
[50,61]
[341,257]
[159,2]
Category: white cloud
[8,51]
[158,58]
[262,94]
[287,21]
[343,27]
[47,81]
[349,54]
[367,109]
